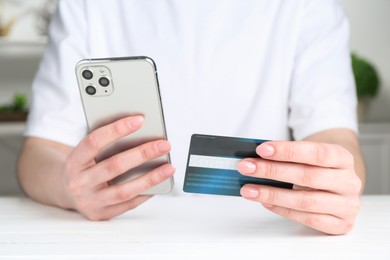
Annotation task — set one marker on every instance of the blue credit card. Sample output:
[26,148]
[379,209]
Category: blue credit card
[212,165]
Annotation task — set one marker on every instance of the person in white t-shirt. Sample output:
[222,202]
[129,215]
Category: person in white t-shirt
[277,70]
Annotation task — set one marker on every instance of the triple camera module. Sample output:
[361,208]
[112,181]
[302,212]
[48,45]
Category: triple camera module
[97,81]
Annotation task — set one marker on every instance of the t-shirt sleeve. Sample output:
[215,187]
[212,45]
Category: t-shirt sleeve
[323,93]
[56,111]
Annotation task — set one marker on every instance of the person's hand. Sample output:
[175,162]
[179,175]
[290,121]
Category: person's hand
[326,193]
[86,182]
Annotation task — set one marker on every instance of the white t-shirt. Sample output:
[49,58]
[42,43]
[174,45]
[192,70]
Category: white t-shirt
[238,68]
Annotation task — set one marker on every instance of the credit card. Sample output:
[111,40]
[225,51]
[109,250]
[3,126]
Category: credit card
[212,165]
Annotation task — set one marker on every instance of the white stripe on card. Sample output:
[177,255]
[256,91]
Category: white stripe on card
[213,162]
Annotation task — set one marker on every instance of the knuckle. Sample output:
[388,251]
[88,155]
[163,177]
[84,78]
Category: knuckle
[83,206]
[92,141]
[356,185]
[289,213]
[349,158]
[308,176]
[114,164]
[347,155]
[122,194]
[74,186]
[313,221]
[270,170]
[132,205]
[348,226]
[145,152]
[119,128]
[72,181]
[322,152]
[343,226]
[290,151]
[271,196]
[307,202]
[150,181]
[354,207]
[68,166]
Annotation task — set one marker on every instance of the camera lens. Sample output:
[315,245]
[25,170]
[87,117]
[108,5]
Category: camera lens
[104,82]
[87,74]
[91,90]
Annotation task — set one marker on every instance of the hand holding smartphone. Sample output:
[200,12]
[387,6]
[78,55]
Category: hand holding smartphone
[115,88]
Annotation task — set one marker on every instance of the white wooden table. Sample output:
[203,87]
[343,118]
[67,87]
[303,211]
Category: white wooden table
[198,227]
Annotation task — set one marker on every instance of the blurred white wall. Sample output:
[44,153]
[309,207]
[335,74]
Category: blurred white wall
[21,50]
[370,37]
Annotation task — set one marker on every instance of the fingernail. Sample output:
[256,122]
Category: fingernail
[136,121]
[265,150]
[164,146]
[249,192]
[247,167]
[168,171]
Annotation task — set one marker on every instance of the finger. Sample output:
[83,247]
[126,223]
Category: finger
[118,164]
[308,201]
[313,153]
[116,194]
[118,209]
[325,223]
[335,180]
[93,143]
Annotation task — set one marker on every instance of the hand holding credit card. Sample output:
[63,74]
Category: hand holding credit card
[212,165]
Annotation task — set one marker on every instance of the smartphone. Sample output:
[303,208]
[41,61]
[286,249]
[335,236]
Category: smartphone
[113,88]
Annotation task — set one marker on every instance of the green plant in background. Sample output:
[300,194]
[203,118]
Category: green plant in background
[18,104]
[366,77]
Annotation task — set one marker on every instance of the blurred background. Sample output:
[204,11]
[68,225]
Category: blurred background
[23,30]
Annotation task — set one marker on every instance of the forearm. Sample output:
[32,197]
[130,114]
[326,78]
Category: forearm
[40,170]
[349,140]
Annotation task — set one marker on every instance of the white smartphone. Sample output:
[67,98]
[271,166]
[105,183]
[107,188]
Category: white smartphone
[113,88]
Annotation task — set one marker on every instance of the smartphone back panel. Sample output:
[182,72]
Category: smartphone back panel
[115,88]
